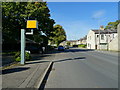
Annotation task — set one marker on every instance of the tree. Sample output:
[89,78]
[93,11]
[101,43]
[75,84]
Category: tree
[68,43]
[15,14]
[112,25]
[59,35]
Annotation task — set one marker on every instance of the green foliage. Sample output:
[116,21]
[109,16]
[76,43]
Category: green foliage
[112,25]
[18,59]
[18,56]
[50,47]
[68,43]
[59,35]
[15,14]
[27,56]
[82,45]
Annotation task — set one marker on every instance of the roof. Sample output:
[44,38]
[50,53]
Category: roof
[108,31]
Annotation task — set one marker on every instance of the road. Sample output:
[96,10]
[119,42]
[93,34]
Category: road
[82,68]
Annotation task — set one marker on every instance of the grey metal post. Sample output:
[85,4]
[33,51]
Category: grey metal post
[22,46]
[118,31]
[99,39]
[99,34]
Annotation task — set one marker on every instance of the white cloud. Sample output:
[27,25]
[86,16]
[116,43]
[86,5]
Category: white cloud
[98,14]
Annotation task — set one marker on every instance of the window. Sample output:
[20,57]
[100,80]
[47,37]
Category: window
[102,37]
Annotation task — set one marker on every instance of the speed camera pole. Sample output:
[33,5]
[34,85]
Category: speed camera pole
[31,24]
[22,46]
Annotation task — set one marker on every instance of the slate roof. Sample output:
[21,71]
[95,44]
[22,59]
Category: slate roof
[104,31]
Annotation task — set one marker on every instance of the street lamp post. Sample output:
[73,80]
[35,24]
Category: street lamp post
[107,40]
[99,33]
[99,39]
[98,20]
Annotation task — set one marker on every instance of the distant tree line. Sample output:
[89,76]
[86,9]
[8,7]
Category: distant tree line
[112,25]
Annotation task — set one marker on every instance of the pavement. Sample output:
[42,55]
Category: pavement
[28,75]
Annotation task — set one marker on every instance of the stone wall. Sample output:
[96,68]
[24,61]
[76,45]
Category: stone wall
[115,43]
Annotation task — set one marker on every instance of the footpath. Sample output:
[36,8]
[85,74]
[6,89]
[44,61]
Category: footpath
[29,75]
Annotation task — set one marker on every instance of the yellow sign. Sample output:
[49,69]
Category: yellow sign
[32,24]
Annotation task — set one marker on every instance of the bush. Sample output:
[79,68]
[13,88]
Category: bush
[82,45]
[18,56]
[17,59]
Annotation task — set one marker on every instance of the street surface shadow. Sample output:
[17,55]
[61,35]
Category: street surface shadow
[69,59]
[36,62]
[36,57]
[79,50]
[71,50]
[13,70]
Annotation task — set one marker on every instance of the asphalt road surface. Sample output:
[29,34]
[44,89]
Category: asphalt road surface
[82,68]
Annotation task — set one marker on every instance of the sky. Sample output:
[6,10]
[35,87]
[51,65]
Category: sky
[77,18]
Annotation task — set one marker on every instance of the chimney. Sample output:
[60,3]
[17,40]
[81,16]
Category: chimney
[102,27]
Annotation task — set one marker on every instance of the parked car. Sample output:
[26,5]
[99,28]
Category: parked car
[66,47]
[60,48]
[75,45]
[33,49]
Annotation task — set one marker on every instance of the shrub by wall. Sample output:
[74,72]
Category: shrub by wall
[18,56]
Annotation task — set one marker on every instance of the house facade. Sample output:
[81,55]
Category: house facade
[99,39]
[63,43]
[73,42]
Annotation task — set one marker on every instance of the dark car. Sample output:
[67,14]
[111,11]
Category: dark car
[75,45]
[60,48]
[33,49]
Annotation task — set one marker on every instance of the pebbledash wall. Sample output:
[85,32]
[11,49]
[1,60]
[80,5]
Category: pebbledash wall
[114,45]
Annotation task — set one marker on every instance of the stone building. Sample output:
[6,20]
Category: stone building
[99,39]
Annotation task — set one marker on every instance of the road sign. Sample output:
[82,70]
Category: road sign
[32,24]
